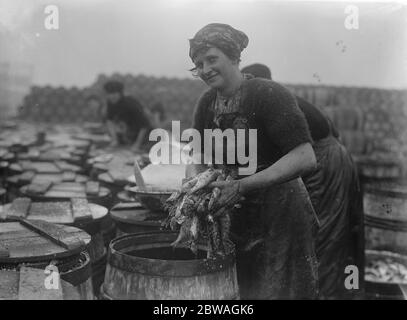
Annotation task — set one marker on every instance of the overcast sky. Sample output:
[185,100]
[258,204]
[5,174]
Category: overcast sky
[302,42]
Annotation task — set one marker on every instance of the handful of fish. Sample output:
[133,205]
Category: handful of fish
[386,270]
[195,212]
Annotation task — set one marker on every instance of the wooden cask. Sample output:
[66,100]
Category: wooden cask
[146,267]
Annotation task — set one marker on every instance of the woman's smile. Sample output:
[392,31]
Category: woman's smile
[212,77]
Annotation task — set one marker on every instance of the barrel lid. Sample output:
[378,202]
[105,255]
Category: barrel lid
[65,212]
[65,139]
[33,177]
[44,166]
[390,189]
[112,158]
[95,138]
[65,190]
[117,176]
[20,243]
[135,213]
[51,154]
[125,196]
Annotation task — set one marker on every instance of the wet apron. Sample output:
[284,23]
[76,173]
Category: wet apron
[334,192]
[273,232]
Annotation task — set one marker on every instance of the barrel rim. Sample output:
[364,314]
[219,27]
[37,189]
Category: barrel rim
[159,267]
[115,215]
[81,273]
[42,197]
[387,224]
[382,188]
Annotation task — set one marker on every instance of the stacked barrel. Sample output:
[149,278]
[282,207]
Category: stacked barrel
[57,105]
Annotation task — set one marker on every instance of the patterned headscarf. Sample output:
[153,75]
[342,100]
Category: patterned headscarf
[219,35]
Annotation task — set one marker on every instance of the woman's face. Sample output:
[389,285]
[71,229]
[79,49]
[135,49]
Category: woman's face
[215,68]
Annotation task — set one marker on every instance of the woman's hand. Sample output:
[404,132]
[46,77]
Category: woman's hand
[230,194]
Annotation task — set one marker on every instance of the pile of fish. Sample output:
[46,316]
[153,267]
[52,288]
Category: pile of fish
[199,213]
[386,270]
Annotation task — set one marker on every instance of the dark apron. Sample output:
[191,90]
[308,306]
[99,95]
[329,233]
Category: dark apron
[335,195]
[274,236]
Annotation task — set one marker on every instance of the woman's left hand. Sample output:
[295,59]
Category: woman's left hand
[230,193]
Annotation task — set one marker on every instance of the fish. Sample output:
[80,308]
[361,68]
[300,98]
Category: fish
[204,179]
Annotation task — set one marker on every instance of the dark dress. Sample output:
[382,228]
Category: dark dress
[275,228]
[336,198]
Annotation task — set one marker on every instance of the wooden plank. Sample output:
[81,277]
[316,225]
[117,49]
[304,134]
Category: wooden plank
[80,209]
[34,247]
[39,188]
[92,188]
[19,208]
[33,153]
[3,152]
[32,286]
[47,177]
[46,167]
[27,177]
[127,206]
[64,166]
[10,227]
[54,233]
[54,212]
[65,194]
[28,244]
[68,176]
[69,186]
[26,165]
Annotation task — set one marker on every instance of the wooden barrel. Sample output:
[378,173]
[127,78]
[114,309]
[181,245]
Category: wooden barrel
[134,218]
[146,267]
[346,118]
[378,167]
[377,288]
[37,244]
[355,141]
[2,195]
[385,208]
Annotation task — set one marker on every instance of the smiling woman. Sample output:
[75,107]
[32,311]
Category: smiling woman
[274,230]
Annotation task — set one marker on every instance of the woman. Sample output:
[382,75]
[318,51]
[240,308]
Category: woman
[274,231]
[335,196]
